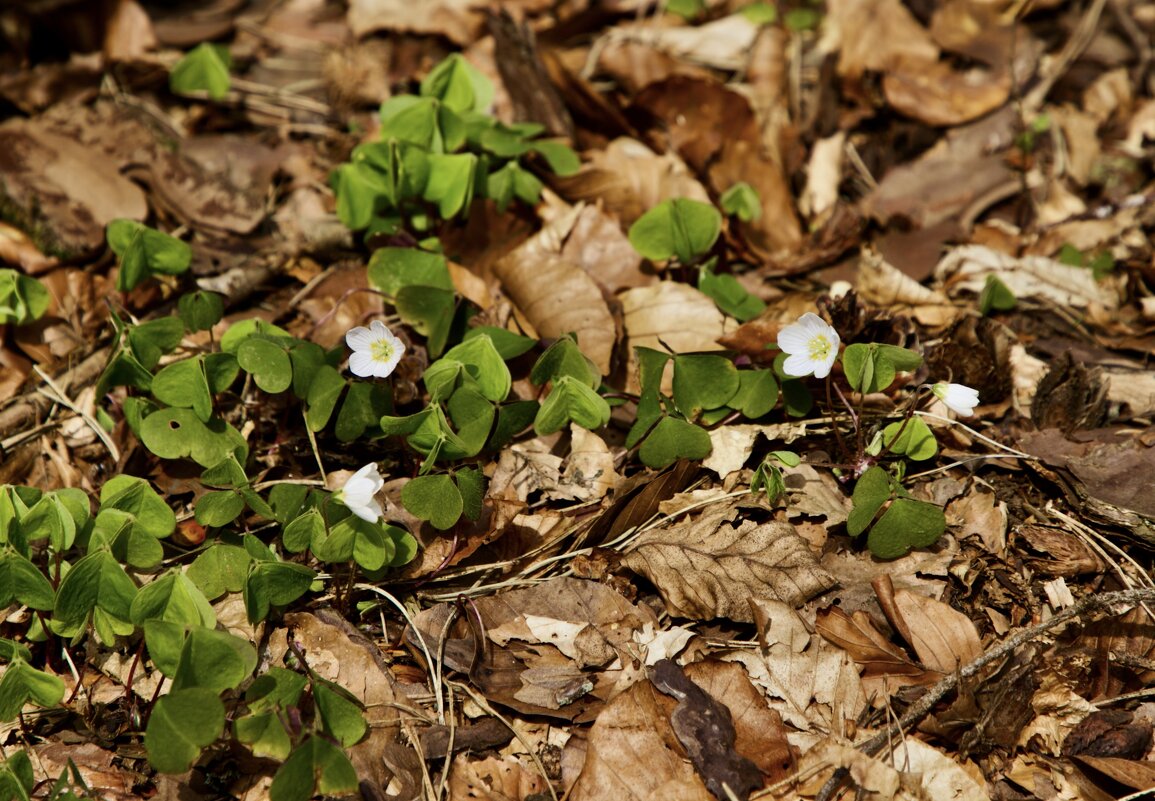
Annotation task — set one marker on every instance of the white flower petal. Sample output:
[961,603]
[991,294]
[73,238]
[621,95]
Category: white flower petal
[811,346]
[793,339]
[959,398]
[359,491]
[376,351]
[798,365]
[362,364]
[359,338]
[822,366]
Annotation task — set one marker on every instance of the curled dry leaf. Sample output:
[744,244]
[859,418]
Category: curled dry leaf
[558,297]
[341,654]
[713,565]
[883,284]
[982,514]
[944,638]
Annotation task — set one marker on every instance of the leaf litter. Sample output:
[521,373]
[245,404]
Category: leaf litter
[601,629]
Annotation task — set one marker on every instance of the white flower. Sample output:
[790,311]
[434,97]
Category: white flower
[360,491]
[812,346]
[958,398]
[376,351]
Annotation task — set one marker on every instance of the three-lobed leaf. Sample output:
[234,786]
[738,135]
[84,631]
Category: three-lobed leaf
[679,227]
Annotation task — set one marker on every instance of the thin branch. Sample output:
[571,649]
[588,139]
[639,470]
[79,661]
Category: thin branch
[927,702]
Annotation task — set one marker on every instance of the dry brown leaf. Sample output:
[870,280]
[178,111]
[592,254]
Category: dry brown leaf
[558,297]
[589,469]
[965,167]
[629,179]
[219,183]
[937,94]
[597,244]
[1133,773]
[777,232]
[59,182]
[339,653]
[128,34]
[761,735]
[944,638]
[631,754]
[672,313]
[922,571]
[712,566]
[981,514]
[521,666]
[723,44]
[813,685]
[874,35]
[858,635]
[493,779]
[18,250]
[670,316]
[523,470]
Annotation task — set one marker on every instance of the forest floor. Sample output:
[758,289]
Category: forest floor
[564,601]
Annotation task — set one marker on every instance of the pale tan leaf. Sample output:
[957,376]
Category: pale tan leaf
[818,685]
[629,179]
[589,468]
[732,446]
[493,779]
[724,43]
[823,176]
[559,297]
[937,775]
[459,20]
[981,514]
[1036,277]
[672,313]
[712,566]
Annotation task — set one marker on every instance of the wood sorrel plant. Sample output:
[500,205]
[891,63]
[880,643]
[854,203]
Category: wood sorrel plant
[896,522]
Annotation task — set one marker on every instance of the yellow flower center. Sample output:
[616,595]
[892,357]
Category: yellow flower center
[381,350]
[819,347]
